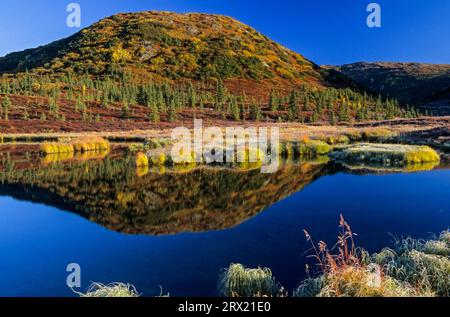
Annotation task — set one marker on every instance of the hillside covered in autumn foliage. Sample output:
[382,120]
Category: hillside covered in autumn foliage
[153,69]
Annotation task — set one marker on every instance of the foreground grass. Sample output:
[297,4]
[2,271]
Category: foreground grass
[110,290]
[238,281]
[413,268]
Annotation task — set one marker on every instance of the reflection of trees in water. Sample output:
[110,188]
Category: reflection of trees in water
[113,193]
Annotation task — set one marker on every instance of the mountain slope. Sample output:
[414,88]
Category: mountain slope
[172,46]
[425,85]
[158,69]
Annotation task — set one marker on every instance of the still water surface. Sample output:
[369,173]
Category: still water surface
[193,224]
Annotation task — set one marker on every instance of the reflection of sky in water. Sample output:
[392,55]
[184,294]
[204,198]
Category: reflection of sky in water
[37,242]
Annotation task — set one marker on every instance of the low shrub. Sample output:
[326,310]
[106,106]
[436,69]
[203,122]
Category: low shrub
[87,144]
[141,160]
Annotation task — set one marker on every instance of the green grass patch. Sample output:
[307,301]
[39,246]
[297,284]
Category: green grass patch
[388,154]
[313,148]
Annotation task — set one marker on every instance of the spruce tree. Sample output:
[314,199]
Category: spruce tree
[172,113]
[154,114]
[273,101]
[293,110]
[6,106]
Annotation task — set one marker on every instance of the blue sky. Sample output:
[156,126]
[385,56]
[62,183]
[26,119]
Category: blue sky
[327,32]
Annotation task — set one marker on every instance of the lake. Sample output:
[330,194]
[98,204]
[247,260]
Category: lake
[176,229]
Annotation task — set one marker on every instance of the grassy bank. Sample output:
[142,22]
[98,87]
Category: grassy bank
[388,154]
[412,268]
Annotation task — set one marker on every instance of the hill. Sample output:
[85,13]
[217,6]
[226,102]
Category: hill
[155,69]
[424,85]
[170,46]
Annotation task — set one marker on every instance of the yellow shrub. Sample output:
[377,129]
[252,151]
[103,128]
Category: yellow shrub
[55,148]
[158,159]
[141,160]
[88,144]
[119,54]
[423,154]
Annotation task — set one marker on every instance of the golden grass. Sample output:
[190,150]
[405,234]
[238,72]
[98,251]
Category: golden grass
[84,144]
[378,134]
[141,160]
[313,148]
[351,272]
[57,148]
[362,282]
[334,139]
[87,144]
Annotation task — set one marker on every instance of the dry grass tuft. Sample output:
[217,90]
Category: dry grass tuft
[423,263]
[110,290]
[238,281]
[351,272]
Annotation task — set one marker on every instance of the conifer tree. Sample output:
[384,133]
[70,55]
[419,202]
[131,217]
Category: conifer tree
[154,114]
[6,106]
[172,112]
[273,101]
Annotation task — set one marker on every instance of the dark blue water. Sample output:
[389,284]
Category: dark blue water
[37,242]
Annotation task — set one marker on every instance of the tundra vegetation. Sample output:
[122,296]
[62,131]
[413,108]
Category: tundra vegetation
[387,154]
[81,145]
[413,268]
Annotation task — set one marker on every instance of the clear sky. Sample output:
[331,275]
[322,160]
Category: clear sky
[325,31]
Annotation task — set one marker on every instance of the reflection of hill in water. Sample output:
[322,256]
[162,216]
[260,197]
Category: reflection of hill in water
[109,193]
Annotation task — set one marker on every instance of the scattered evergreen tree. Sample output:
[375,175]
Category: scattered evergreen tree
[6,106]
[154,113]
